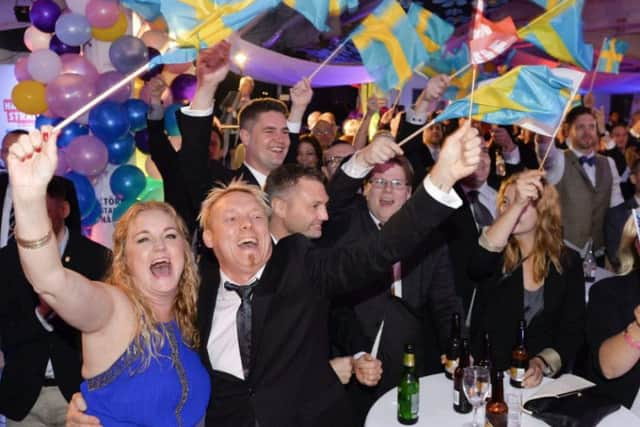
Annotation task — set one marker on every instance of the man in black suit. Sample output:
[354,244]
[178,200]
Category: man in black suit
[43,354]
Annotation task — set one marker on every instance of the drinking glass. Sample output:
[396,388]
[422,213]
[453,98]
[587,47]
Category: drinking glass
[476,386]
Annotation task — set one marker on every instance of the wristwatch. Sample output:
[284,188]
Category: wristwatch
[546,371]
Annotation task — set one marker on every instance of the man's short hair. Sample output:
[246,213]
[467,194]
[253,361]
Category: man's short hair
[218,192]
[288,175]
[57,189]
[576,112]
[251,111]
[401,161]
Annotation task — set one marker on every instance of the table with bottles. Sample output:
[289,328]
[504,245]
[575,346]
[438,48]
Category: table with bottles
[436,407]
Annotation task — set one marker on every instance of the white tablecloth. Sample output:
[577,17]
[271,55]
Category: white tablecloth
[436,408]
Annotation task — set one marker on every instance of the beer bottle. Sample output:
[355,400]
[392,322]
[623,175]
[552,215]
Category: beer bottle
[485,359]
[496,411]
[408,389]
[519,359]
[460,402]
[453,350]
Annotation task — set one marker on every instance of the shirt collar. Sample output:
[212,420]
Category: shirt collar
[579,154]
[62,244]
[260,177]
[224,278]
[375,220]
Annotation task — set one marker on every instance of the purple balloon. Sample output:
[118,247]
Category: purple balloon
[87,155]
[102,13]
[128,53]
[67,93]
[63,165]
[155,70]
[73,29]
[75,64]
[44,14]
[60,48]
[183,87]
[21,69]
[142,141]
[109,79]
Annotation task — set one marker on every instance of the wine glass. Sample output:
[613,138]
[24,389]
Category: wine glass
[476,386]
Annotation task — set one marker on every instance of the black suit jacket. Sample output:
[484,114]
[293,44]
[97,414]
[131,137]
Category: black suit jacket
[614,222]
[25,343]
[415,151]
[291,382]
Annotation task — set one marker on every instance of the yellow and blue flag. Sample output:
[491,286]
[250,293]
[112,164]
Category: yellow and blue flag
[558,32]
[611,55]
[446,62]
[315,11]
[533,97]
[148,10]
[547,4]
[389,45]
[432,30]
[336,7]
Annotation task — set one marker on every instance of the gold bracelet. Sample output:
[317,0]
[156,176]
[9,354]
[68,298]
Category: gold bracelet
[36,243]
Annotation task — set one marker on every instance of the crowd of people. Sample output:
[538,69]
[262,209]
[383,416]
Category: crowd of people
[282,292]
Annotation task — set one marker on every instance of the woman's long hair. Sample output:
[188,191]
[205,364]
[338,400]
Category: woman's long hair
[627,252]
[548,245]
[150,339]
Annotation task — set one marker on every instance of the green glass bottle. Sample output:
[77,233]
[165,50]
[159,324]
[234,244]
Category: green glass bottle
[408,389]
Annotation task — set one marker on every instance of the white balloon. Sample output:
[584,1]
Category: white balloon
[77,6]
[44,65]
[35,39]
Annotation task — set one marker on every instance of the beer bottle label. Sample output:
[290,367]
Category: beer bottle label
[517,374]
[496,420]
[415,405]
[451,365]
[456,397]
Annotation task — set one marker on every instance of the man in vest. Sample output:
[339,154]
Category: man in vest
[588,183]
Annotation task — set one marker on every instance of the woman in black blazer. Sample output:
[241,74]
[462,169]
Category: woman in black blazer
[613,325]
[526,272]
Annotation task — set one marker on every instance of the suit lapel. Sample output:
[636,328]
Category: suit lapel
[244,173]
[210,275]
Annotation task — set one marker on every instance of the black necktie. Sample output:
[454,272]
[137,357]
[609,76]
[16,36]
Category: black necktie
[243,322]
[481,214]
[12,224]
[588,160]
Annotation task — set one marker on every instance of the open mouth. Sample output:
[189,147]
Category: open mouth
[386,202]
[161,268]
[248,243]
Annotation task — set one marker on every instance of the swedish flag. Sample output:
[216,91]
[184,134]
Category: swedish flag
[445,62]
[336,7]
[432,30]
[149,10]
[611,55]
[558,32]
[389,46]
[533,97]
[316,11]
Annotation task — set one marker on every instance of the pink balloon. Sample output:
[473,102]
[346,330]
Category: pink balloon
[44,65]
[67,93]
[77,6]
[63,165]
[102,13]
[87,155]
[21,69]
[109,79]
[35,39]
[72,63]
[177,68]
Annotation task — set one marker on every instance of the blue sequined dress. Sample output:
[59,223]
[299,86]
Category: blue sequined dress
[172,391]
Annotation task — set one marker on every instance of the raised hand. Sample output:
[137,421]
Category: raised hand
[301,93]
[459,157]
[502,138]
[32,161]
[436,86]
[212,65]
[381,149]
[372,105]
[156,87]
[529,187]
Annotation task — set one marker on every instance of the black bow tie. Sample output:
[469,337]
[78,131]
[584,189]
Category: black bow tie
[588,160]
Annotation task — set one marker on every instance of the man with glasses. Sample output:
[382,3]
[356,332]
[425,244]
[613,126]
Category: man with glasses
[333,157]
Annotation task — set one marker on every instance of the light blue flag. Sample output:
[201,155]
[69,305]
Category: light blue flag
[432,30]
[316,11]
[148,9]
[611,55]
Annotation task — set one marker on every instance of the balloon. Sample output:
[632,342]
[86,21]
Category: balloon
[128,53]
[112,33]
[110,78]
[43,15]
[35,39]
[67,93]
[21,70]
[121,149]
[155,39]
[109,121]
[73,29]
[138,84]
[157,69]
[102,13]
[137,111]
[44,65]
[77,6]
[142,140]
[127,181]
[62,167]
[60,48]
[84,191]
[121,209]
[43,120]
[171,121]
[94,215]
[29,96]
[76,64]
[87,155]
[178,68]
[183,87]
[69,133]
[152,191]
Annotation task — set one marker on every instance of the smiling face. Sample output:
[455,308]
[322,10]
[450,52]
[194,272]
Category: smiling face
[154,253]
[237,230]
[267,141]
[385,198]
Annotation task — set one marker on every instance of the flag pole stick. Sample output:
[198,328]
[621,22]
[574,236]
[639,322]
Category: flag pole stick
[473,88]
[416,133]
[595,69]
[451,76]
[397,99]
[328,59]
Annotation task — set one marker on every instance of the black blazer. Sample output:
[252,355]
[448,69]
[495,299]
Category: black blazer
[291,382]
[500,308]
[415,151]
[26,344]
[609,312]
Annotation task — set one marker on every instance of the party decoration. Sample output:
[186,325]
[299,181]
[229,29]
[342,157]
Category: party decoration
[77,6]
[44,65]
[35,39]
[43,15]
[127,181]
[183,87]
[121,209]
[29,96]
[153,190]
[69,133]
[76,64]
[121,149]
[128,53]
[102,13]
[84,191]
[67,93]
[137,111]
[87,155]
[62,167]
[110,78]
[171,121]
[109,121]
[60,48]
[21,70]
[156,69]
[42,120]
[94,215]
[142,140]
[112,33]
[73,29]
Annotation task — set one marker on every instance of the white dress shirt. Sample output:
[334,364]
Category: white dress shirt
[7,204]
[487,196]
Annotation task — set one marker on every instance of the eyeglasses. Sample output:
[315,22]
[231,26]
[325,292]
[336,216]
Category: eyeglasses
[396,184]
[322,132]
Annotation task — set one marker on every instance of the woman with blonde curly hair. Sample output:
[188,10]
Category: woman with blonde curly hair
[138,326]
[526,273]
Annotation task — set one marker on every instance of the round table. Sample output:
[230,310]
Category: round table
[436,408]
